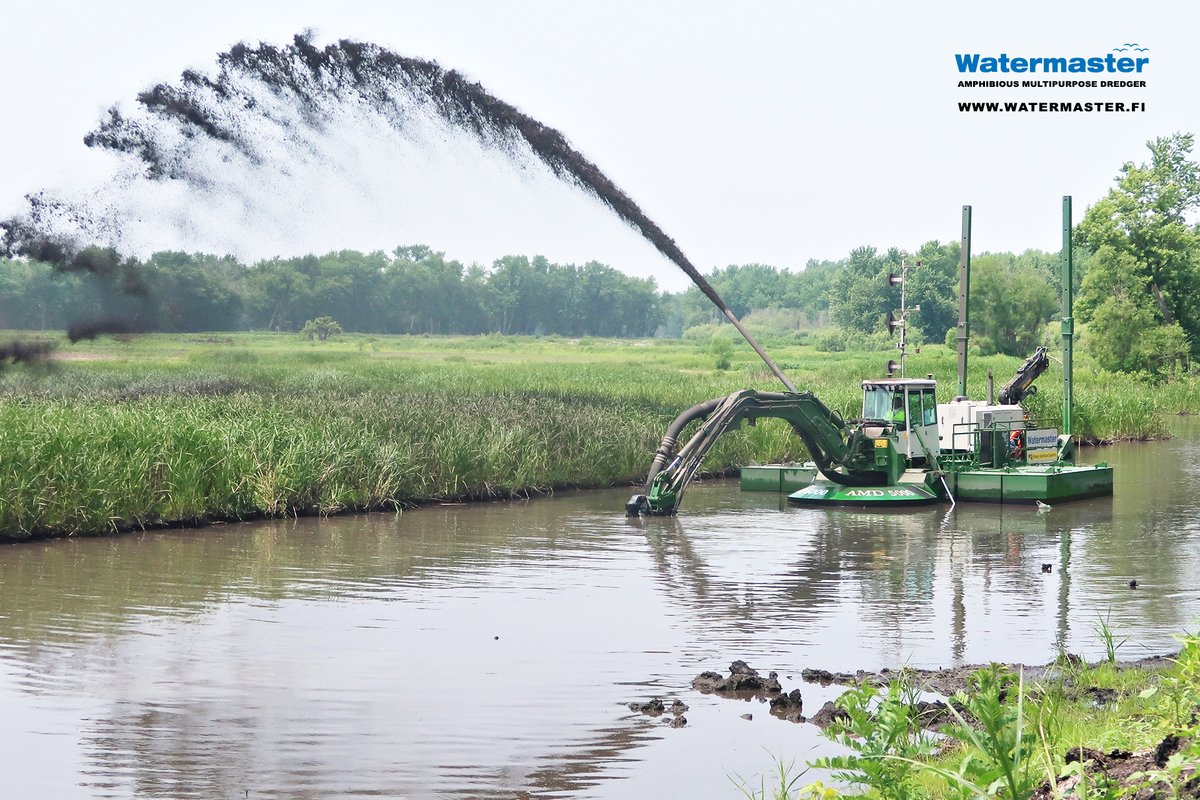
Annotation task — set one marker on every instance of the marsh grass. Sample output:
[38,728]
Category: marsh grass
[182,429]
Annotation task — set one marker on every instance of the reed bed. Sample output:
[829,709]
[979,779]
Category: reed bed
[169,430]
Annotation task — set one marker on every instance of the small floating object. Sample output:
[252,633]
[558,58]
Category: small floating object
[1047,567]
[1133,584]
[747,716]
[1042,507]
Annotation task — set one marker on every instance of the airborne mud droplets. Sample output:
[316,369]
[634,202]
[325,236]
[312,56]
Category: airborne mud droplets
[299,148]
[302,149]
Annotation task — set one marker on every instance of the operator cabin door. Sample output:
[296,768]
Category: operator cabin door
[922,438]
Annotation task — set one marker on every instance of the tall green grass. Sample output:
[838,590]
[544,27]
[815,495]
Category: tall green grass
[178,429]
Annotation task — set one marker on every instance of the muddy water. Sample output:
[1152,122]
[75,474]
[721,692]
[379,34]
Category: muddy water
[489,650]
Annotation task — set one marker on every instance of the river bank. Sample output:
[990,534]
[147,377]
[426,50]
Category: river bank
[1064,729]
[187,430]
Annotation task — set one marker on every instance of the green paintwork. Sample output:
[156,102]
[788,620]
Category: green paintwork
[777,478]
[1024,484]
[834,494]
[1068,321]
[1050,484]
[964,294]
[847,452]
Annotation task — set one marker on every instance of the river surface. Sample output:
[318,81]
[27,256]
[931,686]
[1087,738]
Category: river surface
[490,650]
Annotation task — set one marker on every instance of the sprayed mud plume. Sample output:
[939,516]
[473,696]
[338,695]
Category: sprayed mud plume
[115,274]
[183,118]
[24,352]
[66,255]
[269,108]
[115,325]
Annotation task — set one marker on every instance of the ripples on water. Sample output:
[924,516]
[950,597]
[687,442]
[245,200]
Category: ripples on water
[489,651]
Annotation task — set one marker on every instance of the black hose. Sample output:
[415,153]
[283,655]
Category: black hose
[666,450]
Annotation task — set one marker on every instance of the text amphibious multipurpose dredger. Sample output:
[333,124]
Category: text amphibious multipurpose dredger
[906,449]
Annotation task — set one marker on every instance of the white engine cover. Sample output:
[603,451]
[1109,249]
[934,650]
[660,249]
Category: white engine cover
[958,420]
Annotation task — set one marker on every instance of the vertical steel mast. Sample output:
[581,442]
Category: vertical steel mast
[964,292]
[1068,322]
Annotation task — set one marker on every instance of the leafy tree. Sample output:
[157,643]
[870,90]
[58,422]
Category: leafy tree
[934,287]
[721,350]
[321,328]
[1146,268]
[1124,332]
[1010,302]
[862,296]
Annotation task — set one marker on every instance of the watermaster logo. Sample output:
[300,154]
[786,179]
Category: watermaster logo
[1110,62]
[1122,68]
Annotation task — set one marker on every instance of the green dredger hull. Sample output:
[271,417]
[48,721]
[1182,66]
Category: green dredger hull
[1031,483]
[834,494]
[1024,484]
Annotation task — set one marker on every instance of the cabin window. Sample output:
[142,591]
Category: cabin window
[879,402]
[928,407]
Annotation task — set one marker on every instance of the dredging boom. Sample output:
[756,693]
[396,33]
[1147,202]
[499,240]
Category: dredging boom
[849,455]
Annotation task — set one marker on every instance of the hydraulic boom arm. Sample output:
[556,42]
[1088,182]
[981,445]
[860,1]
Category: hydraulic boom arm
[854,456]
[1021,386]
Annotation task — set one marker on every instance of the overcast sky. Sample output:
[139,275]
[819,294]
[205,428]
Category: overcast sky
[770,132]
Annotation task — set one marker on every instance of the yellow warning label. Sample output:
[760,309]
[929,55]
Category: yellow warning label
[881,443]
[1042,456]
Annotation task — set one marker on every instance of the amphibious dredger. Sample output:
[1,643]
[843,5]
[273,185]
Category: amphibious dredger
[906,448]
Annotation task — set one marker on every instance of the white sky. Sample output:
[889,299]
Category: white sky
[750,131]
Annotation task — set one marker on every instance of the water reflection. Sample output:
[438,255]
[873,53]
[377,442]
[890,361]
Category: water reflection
[488,650]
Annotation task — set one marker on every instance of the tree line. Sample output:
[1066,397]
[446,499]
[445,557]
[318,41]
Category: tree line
[413,290]
[416,290]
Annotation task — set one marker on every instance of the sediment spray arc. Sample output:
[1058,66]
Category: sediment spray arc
[181,133]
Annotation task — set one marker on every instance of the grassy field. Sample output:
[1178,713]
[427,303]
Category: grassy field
[181,429]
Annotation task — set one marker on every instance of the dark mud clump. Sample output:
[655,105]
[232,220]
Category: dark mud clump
[742,681]
[655,707]
[950,681]
[1124,769]
[932,714]
[1101,697]
[652,708]
[828,715]
[788,706]
[821,676]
